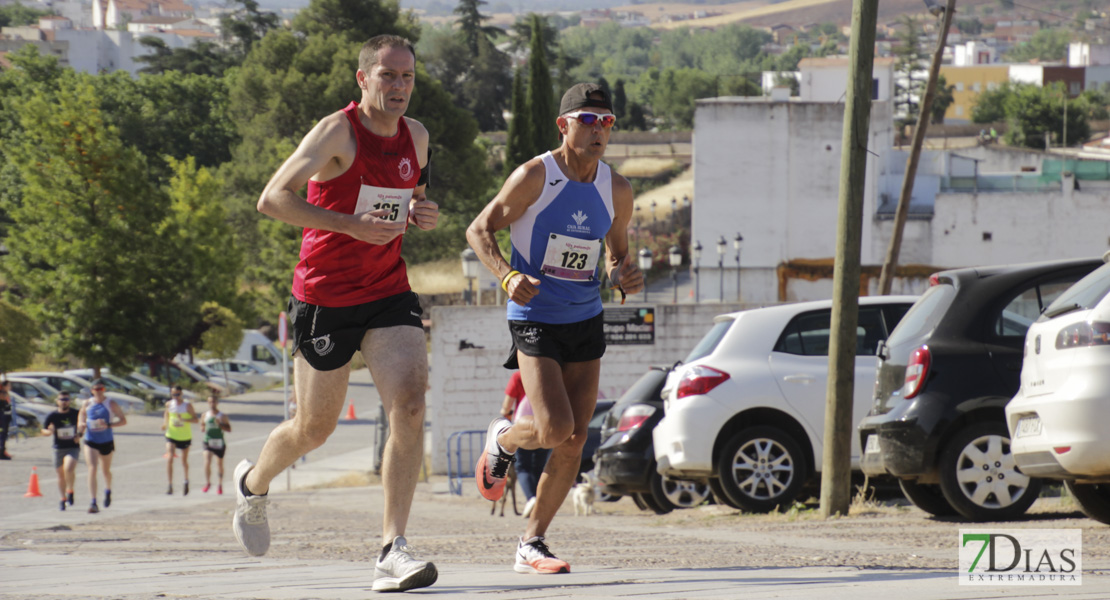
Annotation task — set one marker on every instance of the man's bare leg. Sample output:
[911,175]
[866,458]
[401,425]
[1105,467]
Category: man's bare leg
[563,401]
[398,361]
[320,398]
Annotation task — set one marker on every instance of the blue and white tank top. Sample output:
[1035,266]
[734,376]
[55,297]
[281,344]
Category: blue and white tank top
[97,418]
[559,240]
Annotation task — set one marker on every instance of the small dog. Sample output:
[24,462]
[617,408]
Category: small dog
[510,488]
[584,496]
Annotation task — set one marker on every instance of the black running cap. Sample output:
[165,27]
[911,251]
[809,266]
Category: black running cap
[579,96]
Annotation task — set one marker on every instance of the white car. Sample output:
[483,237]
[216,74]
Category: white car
[1057,420]
[246,371]
[215,373]
[747,411]
[80,387]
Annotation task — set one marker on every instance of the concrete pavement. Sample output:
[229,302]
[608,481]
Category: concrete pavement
[30,570]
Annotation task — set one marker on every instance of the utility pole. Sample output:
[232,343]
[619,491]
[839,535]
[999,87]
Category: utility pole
[836,464]
[890,263]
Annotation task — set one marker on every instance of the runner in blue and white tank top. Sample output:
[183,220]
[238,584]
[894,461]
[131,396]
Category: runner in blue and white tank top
[558,241]
[562,209]
[96,419]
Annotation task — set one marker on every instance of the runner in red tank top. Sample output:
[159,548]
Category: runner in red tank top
[366,169]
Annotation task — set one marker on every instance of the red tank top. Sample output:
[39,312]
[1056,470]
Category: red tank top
[336,270]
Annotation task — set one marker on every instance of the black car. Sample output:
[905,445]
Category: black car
[593,435]
[626,459]
[944,378]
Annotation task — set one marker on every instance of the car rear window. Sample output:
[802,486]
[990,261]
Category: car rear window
[924,315]
[709,343]
[1086,293]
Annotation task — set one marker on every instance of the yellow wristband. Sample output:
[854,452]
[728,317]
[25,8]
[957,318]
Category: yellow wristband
[506,278]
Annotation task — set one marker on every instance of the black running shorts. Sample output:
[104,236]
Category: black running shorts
[219,452]
[328,337]
[571,342]
[180,444]
[104,449]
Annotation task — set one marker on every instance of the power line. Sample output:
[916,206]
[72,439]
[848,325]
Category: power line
[1052,14]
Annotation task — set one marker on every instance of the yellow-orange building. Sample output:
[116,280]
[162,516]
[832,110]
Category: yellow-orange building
[969,82]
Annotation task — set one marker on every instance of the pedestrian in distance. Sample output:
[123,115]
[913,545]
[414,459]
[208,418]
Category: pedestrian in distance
[99,416]
[529,463]
[561,208]
[177,422]
[62,424]
[365,168]
[215,424]
[5,418]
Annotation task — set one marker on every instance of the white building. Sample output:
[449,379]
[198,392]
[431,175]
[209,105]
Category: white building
[973,53]
[826,79]
[1083,54]
[771,171]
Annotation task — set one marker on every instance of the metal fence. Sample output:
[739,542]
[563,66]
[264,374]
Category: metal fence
[463,448]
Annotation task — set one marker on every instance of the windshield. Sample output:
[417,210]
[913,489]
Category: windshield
[924,315]
[1086,293]
[708,343]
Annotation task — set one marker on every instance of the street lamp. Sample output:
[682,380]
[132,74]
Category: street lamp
[636,212]
[674,210]
[676,261]
[653,216]
[697,278]
[736,243]
[722,245]
[470,271]
[645,266]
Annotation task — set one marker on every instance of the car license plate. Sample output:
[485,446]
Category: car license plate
[872,444]
[1028,426]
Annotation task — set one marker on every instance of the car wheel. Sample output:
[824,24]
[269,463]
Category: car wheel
[979,477]
[607,497]
[761,469]
[1093,498]
[719,494]
[651,504]
[927,497]
[677,493]
[638,499]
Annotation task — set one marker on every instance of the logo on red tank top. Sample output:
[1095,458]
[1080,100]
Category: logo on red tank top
[406,169]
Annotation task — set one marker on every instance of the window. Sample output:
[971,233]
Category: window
[959,111]
[959,86]
[259,352]
[1073,88]
[976,87]
[1087,293]
[874,88]
[709,342]
[992,85]
[1026,307]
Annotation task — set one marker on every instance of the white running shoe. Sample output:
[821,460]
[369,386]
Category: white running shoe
[250,525]
[398,571]
[528,506]
[493,464]
[532,556]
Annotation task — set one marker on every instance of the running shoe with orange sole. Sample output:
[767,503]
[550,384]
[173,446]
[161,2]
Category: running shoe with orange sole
[493,465]
[532,556]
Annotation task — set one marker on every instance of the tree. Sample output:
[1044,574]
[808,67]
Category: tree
[541,101]
[201,58]
[1045,45]
[18,333]
[223,335]
[351,19]
[942,100]
[909,55]
[620,101]
[245,26]
[1034,115]
[487,86]
[86,211]
[14,15]
[470,25]
[990,104]
[519,142]
[523,31]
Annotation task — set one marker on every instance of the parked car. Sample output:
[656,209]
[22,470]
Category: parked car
[246,371]
[34,390]
[593,435]
[116,384]
[217,375]
[27,413]
[1057,420]
[944,379]
[171,372]
[160,390]
[626,458]
[81,388]
[746,413]
[258,350]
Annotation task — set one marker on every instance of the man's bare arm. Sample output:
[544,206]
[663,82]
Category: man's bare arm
[326,143]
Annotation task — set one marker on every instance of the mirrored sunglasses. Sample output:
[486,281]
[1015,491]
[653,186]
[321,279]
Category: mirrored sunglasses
[589,119]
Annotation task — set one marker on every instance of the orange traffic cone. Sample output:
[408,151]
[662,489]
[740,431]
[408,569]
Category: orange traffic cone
[33,485]
[351,412]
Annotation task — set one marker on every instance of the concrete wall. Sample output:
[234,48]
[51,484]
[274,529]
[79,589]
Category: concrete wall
[470,343]
[1023,227]
[771,170]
